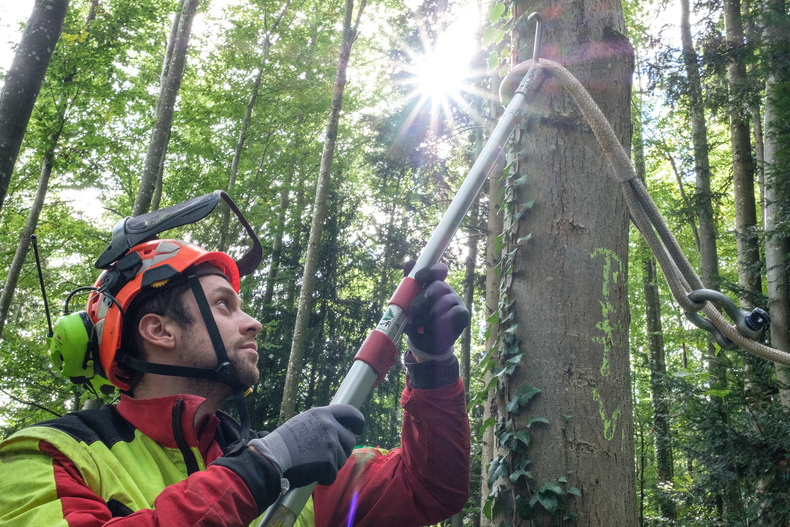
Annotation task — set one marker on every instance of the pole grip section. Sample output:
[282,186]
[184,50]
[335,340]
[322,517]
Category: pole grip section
[378,352]
[405,293]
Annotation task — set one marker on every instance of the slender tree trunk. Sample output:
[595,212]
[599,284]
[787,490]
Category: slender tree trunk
[655,343]
[757,122]
[245,123]
[776,177]
[492,258]
[30,227]
[38,202]
[288,406]
[568,288]
[709,260]
[742,163]
[699,132]
[24,79]
[170,83]
[466,338]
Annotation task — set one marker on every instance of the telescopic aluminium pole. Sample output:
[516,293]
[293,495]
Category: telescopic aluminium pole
[379,351]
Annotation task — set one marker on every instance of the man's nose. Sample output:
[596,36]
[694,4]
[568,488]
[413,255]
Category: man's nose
[251,325]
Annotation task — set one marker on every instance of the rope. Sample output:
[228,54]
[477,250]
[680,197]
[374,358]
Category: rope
[680,275]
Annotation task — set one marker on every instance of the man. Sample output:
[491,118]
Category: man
[170,332]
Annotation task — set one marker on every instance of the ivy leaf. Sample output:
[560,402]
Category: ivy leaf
[575,491]
[488,36]
[488,423]
[493,61]
[515,359]
[526,393]
[513,405]
[521,472]
[495,470]
[547,499]
[553,488]
[499,244]
[521,181]
[523,437]
[524,239]
[541,420]
[495,11]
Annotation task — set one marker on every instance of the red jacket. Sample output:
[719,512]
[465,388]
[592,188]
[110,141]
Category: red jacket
[144,463]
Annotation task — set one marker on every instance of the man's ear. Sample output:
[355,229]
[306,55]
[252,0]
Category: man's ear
[157,330]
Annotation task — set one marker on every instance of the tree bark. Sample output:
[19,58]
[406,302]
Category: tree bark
[24,79]
[293,375]
[569,287]
[709,265]
[170,83]
[742,163]
[492,258]
[775,178]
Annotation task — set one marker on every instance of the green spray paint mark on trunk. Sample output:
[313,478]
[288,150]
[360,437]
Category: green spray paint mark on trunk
[609,425]
[611,274]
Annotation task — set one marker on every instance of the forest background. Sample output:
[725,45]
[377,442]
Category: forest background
[253,114]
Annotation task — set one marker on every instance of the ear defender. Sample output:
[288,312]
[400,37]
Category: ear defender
[72,351]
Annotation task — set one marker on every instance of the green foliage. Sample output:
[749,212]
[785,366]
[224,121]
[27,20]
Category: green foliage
[393,179]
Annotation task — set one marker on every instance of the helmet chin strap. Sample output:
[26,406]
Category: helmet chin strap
[224,371]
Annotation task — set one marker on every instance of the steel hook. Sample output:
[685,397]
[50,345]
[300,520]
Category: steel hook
[750,324]
[538,25]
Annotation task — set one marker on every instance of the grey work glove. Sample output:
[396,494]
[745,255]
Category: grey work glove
[314,445]
[438,316]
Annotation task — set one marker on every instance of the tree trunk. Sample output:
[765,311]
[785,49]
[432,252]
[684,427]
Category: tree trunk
[709,265]
[24,79]
[245,123]
[775,179]
[755,111]
[709,260]
[30,227]
[38,202]
[568,292]
[742,163]
[290,392]
[170,82]
[492,256]
[655,343]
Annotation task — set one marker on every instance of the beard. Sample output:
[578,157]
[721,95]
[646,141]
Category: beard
[202,354]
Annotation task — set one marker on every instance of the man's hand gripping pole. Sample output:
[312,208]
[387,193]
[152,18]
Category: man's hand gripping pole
[379,351]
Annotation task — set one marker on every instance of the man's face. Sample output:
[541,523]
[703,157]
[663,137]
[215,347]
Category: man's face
[237,329]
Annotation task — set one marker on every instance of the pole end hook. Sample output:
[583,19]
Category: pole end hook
[538,25]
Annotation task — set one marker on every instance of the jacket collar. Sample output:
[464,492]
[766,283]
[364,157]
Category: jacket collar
[156,418]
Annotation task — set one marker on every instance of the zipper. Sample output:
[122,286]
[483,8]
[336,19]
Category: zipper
[178,434]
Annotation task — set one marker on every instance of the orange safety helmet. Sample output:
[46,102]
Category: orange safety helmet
[146,267]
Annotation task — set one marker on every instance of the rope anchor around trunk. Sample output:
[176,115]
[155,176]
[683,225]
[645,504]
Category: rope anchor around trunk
[684,283]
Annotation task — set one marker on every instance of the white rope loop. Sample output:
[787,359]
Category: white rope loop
[677,270]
